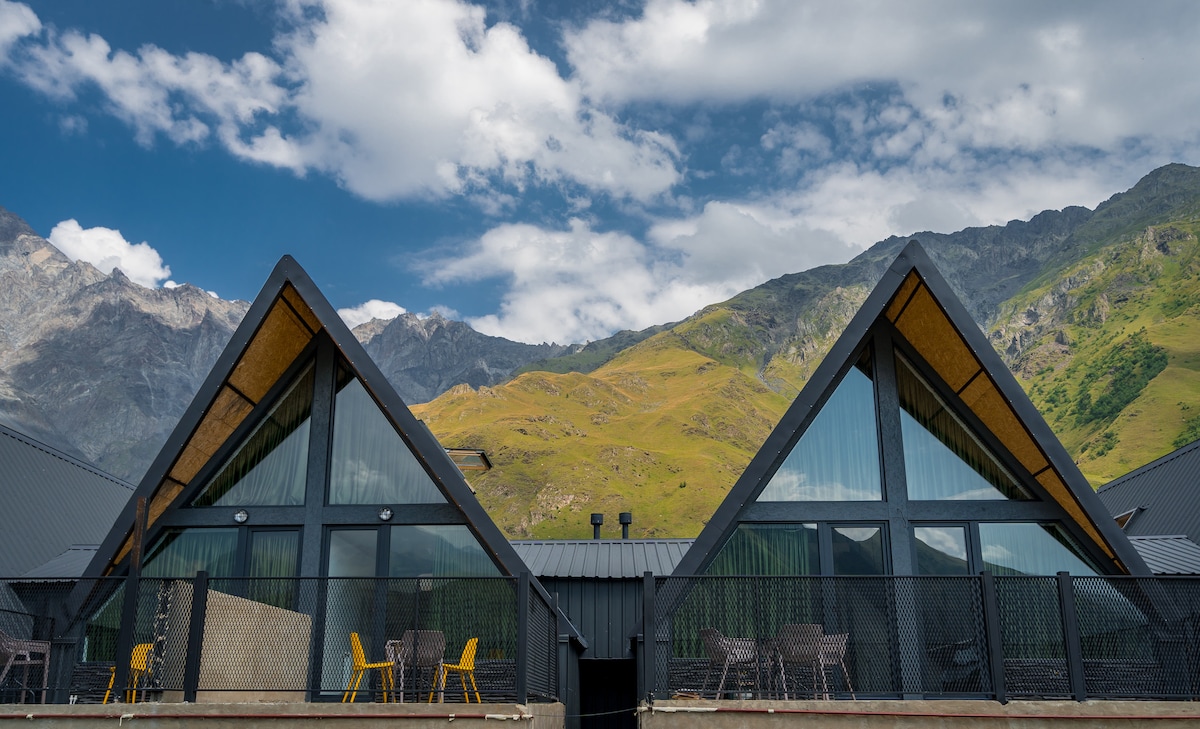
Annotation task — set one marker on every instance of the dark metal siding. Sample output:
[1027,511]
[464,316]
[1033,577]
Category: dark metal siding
[604,611]
[50,502]
[1166,490]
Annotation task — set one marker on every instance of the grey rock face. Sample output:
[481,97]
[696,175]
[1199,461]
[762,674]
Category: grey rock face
[103,368]
[93,363]
[423,358]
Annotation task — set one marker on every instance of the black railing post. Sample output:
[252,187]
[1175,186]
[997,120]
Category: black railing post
[649,657]
[522,687]
[993,633]
[1071,644]
[129,609]
[195,639]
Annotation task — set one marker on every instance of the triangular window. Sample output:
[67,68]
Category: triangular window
[944,461]
[837,458]
[270,466]
[371,462]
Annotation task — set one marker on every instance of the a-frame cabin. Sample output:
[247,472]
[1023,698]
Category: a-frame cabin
[297,459]
[912,450]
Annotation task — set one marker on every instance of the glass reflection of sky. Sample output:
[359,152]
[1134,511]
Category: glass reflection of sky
[837,458]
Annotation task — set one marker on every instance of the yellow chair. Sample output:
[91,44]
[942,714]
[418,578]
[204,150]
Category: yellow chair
[361,666]
[464,668]
[139,669]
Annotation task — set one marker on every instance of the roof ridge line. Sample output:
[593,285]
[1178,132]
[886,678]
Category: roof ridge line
[52,451]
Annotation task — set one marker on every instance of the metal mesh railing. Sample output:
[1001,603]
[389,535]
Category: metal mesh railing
[272,639]
[542,663]
[994,637]
[796,637]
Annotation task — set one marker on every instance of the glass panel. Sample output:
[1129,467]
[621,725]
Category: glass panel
[858,551]
[769,549]
[273,554]
[440,551]
[837,458]
[352,552]
[184,552]
[270,466]
[1030,549]
[942,459]
[941,550]
[351,605]
[371,463]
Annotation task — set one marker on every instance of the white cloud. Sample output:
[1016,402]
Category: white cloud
[107,249]
[373,309]
[16,21]
[577,284]
[394,100]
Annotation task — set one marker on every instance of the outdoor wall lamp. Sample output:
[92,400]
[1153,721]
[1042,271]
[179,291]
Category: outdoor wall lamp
[240,516]
[385,513]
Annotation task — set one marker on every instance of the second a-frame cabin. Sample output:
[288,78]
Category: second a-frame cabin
[912,450]
[298,460]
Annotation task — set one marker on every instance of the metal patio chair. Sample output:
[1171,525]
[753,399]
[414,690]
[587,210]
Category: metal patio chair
[19,652]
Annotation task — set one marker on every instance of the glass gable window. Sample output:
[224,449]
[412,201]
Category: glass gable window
[769,550]
[270,467]
[941,550]
[942,459]
[371,463]
[1030,549]
[858,550]
[437,550]
[837,458]
[184,552]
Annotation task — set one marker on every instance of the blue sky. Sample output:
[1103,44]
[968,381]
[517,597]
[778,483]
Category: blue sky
[557,171]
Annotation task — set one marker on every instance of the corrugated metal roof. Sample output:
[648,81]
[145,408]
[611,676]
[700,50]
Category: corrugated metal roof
[602,558]
[67,566]
[1165,490]
[50,501]
[1169,555]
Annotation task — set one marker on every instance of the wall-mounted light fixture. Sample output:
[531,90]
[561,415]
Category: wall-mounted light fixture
[240,516]
[385,513]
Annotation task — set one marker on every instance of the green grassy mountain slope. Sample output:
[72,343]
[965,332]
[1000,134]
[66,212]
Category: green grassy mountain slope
[1109,349]
[1095,311]
[660,430]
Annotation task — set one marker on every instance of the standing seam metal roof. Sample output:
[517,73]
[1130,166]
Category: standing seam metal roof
[1169,555]
[51,501]
[615,559]
[1166,490]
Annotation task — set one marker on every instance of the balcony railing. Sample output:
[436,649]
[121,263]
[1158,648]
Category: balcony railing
[277,639]
[896,637]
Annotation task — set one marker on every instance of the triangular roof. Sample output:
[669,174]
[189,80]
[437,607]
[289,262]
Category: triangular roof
[284,319]
[51,501]
[916,303]
[1164,493]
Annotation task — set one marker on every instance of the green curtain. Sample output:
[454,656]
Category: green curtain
[270,466]
[184,552]
[778,550]
[371,463]
[942,460]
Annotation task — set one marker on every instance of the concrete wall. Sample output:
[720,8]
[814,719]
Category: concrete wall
[916,714]
[273,716]
[247,644]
